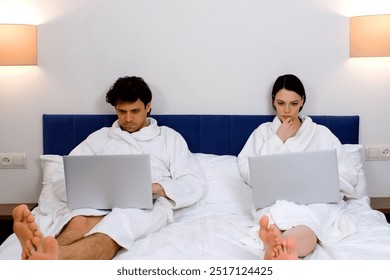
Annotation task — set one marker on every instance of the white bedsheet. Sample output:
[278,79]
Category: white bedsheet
[215,227]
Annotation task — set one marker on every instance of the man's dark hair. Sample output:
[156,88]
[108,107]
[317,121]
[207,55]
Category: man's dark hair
[129,89]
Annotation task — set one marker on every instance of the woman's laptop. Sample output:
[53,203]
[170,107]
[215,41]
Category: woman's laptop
[300,177]
[108,181]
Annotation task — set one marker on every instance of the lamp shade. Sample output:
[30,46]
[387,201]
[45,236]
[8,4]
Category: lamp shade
[18,44]
[369,36]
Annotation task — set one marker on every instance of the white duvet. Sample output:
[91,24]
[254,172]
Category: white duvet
[218,226]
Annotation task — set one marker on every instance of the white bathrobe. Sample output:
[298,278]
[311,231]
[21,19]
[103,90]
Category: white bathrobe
[329,221]
[173,166]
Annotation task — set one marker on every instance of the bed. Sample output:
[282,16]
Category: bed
[217,227]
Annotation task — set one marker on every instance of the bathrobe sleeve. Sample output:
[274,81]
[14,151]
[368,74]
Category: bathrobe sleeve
[185,184]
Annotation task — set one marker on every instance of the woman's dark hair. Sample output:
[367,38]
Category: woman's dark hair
[289,82]
[129,89]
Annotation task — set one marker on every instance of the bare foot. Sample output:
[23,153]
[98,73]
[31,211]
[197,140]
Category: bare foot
[24,227]
[286,250]
[270,235]
[34,246]
[45,249]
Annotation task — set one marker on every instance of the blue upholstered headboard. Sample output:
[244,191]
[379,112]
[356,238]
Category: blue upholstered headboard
[212,134]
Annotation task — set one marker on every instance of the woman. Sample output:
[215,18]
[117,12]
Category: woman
[288,230]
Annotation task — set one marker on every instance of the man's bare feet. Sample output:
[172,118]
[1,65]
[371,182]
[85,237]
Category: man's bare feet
[270,235]
[30,238]
[44,249]
[24,227]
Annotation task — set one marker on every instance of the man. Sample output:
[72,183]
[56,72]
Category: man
[94,234]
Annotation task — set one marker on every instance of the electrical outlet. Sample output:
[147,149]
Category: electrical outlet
[378,152]
[13,160]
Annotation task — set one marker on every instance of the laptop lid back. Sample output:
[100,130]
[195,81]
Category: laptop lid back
[108,181]
[300,177]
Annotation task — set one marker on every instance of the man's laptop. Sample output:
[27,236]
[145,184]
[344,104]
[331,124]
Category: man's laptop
[108,181]
[300,177]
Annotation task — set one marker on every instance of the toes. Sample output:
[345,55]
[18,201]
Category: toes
[18,212]
[36,243]
[24,256]
[29,217]
[264,220]
[51,244]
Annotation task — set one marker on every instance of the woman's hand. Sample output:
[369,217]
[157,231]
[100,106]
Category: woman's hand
[288,128]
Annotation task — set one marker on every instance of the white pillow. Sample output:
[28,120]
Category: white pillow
[355,153]
[224,181]
[53,183]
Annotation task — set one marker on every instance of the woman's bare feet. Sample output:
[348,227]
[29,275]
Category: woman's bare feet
[275,247]
[286,250]
[270,235]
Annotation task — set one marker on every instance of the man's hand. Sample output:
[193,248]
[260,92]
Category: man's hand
[157,189]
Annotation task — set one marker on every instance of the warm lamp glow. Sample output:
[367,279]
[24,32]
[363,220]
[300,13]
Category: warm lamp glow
[369,36]
[18,44]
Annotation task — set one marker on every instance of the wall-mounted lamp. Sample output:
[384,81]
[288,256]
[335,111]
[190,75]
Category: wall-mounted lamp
[18,44]
[369,36]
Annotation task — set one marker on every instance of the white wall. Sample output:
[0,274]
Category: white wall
[214,56]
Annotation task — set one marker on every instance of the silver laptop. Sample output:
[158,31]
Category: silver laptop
[108,181]
[300,177]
